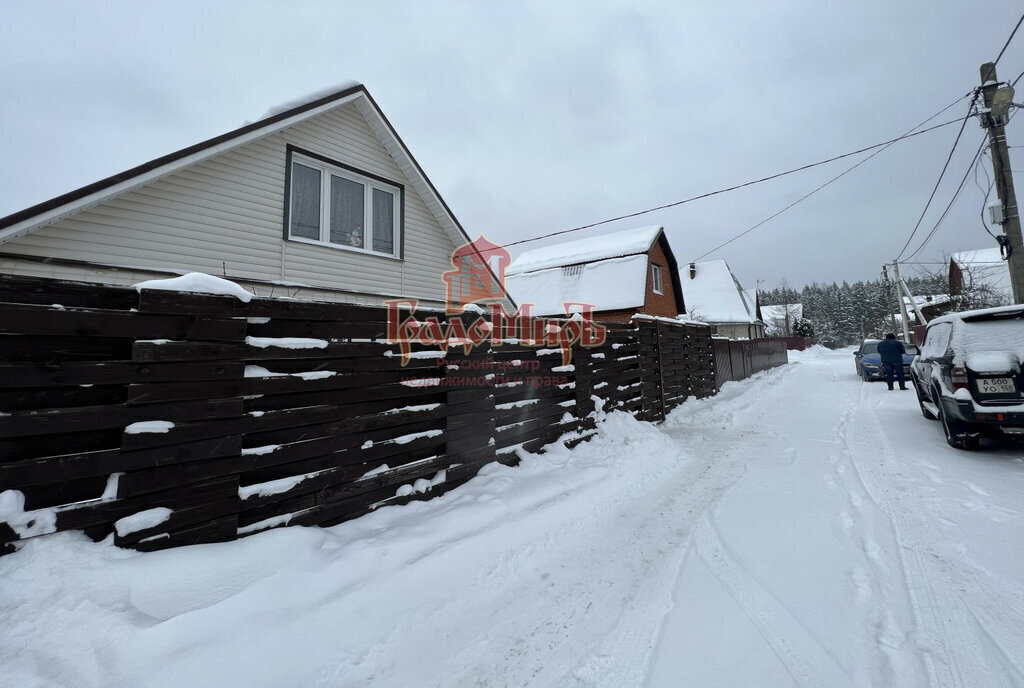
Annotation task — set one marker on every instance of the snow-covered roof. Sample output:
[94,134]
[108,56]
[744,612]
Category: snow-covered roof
[984,267]
[713,294]
[611,284]
[924,300]
[626,243]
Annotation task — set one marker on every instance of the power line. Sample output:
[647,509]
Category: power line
[942,217]
[939,180]
[841,174]
[1008,40]
[739,186]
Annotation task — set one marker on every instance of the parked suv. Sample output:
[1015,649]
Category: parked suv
[969,374]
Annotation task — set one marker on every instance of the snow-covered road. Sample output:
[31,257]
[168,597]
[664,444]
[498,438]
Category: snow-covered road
[802,528]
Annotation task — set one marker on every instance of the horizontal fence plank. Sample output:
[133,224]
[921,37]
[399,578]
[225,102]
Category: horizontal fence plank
[45,320]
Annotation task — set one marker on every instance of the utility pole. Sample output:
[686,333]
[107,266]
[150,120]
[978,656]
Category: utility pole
[905,319]
[994,120]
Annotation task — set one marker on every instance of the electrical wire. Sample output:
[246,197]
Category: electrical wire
[745,184]
[939,180]
[987,192]
[838,176]
[1007,44]
[942,217]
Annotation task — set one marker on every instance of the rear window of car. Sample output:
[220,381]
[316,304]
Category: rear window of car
[988,335]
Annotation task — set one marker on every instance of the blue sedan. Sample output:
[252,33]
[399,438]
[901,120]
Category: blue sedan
[869,363]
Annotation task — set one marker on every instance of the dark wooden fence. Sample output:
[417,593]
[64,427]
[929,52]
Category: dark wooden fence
[169,419]
[738,360]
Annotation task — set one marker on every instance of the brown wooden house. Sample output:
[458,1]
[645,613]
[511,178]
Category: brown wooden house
[619,275]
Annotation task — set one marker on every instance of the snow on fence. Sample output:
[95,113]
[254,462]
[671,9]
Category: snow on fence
[226,418]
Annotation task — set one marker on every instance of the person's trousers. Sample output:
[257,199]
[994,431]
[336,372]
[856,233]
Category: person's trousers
[890,369]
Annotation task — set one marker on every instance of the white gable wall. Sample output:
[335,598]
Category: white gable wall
[226,214]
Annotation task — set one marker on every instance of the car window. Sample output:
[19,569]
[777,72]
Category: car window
[869,348]
[911,350]
[936,341]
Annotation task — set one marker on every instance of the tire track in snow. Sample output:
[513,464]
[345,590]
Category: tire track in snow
[944,625]
[806,660]
[887,633]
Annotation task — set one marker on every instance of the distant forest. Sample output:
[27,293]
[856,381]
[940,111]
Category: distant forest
[844,314]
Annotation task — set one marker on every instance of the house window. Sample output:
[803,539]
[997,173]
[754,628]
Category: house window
[332,205]
[656,279]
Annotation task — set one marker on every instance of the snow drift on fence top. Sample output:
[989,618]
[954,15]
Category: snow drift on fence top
[714,295]
[984,267]
[198,283]
[611,284]
[614,245]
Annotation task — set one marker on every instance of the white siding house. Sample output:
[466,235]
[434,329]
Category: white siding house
[321,200]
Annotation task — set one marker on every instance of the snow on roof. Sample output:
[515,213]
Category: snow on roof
[984,267]
[611,284]
[925,300]
[626,243]
[714,294]
[309,98]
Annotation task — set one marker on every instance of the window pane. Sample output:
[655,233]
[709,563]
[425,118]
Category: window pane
[305,202]
[347,204]
[383,221]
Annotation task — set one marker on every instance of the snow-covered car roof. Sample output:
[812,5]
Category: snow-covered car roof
[997,313]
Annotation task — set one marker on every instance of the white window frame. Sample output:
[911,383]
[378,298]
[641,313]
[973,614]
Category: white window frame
[369,184]
[657,279]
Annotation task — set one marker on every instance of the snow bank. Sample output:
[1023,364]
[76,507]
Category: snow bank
[198,283]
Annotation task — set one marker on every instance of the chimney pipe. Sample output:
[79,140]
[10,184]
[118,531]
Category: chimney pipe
[693,271]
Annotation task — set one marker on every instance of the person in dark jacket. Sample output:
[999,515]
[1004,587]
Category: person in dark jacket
[891,351]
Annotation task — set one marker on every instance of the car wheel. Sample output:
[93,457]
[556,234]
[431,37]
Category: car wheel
[954,431]
[920,399]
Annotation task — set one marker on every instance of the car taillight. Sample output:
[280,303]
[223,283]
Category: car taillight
[959,378]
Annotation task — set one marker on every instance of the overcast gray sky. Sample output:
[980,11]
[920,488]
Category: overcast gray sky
[535,117]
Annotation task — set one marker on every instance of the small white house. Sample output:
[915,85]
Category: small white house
[319,199]
[714,295]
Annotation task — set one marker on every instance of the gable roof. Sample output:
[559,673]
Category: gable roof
[626,243]
[609,271]
[715,295]
[25,221]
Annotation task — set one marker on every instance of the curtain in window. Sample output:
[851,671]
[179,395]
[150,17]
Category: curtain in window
[347,212]
[383,221]
[305,202]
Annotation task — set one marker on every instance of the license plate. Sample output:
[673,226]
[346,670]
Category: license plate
[995,385]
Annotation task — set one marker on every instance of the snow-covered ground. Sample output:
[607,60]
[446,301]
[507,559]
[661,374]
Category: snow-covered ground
[803,528]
